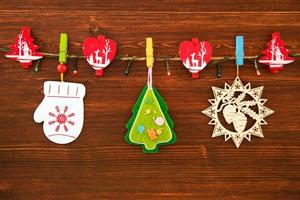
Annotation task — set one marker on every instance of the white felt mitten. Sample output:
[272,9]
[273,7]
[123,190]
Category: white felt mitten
[62,111]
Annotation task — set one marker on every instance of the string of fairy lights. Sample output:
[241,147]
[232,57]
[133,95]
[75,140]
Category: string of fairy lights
[95,30]
[215,60]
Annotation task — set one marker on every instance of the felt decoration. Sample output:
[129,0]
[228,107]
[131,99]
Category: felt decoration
[61,111]
[150,125]
[195,55]
[275,55]
[99,52]
[24,50]
[237,111]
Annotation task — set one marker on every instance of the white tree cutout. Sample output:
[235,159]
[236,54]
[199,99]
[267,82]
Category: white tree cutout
[202,53]
[20,44]
[106,50]
[272,49]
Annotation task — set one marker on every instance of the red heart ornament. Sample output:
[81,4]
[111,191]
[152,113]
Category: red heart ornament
[195,55]
[275,55]
[24,50]
[99,52]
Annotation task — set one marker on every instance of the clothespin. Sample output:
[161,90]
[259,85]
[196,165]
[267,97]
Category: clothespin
[63,50]
[149,52]
[239,52]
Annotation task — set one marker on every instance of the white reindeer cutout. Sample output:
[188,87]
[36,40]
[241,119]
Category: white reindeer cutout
[97,57]
[194,61]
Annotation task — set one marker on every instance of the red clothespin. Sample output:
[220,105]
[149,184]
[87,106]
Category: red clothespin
[195,55]
[99,52]
[24,50]
[275,55]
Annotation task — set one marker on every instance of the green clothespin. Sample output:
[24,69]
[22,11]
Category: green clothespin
[63,50]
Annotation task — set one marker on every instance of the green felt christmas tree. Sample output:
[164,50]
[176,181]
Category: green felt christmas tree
[150,125]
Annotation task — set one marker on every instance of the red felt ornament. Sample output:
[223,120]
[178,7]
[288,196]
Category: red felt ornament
[195,55]
[99,52]
[275,55]
[24,50]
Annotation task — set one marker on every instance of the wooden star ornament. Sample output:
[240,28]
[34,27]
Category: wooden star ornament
[233,107]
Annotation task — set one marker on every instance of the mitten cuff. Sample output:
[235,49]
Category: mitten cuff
[64,89]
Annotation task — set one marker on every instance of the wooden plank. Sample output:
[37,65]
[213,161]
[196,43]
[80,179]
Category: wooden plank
[163,5]
[99,164]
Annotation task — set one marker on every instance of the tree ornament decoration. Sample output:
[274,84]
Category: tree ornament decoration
[195,55]
[275,55]
[99,52]
[62,109]
[150,125]
[24,50]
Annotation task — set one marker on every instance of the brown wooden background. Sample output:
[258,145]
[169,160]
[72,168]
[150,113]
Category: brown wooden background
[99,164]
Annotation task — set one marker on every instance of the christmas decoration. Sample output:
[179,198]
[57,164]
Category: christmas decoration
[99,52]
[195,55]
[62,109]
[24,50]
[150,124]
[237,104]
[237,111]
[276,55]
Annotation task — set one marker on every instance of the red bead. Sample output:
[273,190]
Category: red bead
[62,68]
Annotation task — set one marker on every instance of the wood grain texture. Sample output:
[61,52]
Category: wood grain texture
[99,164]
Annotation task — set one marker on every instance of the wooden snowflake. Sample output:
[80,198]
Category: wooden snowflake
[234,106]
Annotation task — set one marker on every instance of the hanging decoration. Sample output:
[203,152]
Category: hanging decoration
[275,55]
[99,52]
[195,55]
[62,109]
[237,111]
[150,124]
[24,50]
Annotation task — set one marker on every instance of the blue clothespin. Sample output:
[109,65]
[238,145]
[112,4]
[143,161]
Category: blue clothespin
[239,50]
